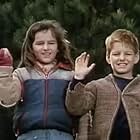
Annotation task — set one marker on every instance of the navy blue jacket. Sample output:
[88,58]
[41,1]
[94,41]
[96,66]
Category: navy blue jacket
[43,105]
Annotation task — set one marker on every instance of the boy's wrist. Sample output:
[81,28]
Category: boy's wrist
[79,77]
[73,83]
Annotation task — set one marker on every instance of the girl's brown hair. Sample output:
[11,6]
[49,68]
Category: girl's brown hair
[63,56]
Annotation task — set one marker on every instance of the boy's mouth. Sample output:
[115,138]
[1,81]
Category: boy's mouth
[122,64]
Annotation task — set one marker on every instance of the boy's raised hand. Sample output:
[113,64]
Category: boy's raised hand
[5,57]
[81,66]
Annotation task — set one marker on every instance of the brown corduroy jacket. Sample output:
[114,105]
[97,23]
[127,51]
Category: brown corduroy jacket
[98,103]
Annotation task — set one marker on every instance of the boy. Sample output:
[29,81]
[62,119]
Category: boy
[113,101]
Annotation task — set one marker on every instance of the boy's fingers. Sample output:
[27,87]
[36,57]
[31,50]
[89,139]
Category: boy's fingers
[87,59]
[83,56]
[91,66]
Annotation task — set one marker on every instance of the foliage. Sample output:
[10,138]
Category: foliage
[88,23]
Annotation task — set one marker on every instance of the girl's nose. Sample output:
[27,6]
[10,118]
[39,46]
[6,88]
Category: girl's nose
[46,46]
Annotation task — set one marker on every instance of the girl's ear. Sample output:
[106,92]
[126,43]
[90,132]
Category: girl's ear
[137,57]
[107,58]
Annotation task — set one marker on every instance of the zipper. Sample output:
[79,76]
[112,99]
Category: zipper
[45,107]
[45,111]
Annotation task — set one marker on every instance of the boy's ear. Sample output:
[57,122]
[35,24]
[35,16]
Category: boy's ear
[107,58]
[137,57]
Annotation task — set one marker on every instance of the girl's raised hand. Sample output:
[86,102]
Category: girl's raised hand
[5,57]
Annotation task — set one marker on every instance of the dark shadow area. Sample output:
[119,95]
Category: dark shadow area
[6,130]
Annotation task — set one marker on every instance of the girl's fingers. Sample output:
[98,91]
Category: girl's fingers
[6,51]
[1,53]
[5,57]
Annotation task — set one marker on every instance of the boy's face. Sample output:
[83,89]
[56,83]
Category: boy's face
[122,59]
[45,47]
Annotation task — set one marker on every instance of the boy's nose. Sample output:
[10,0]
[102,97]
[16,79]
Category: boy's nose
[122,56]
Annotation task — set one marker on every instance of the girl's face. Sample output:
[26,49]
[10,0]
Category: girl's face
[122,59]
[45,47]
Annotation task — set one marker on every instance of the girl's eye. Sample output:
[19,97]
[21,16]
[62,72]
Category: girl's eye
[52,42]
[39,43]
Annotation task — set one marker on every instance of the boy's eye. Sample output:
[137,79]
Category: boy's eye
[115,54]
[129,53]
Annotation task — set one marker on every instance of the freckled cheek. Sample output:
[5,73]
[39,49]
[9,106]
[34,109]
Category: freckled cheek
[37,54]
[54,54]
[55,51]
[113,59]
